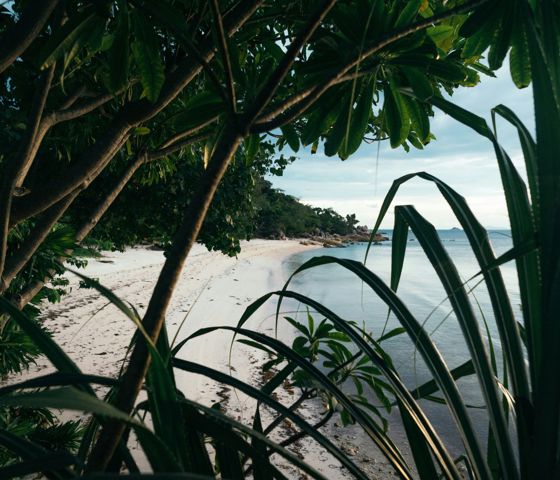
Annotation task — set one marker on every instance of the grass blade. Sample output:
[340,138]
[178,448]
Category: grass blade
[265,398]
[426,347]
[373,430]
[444,267]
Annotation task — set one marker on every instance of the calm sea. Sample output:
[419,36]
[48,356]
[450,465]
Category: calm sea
[421,290]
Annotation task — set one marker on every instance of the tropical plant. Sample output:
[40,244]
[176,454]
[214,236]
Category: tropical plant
[123,84]
[525,400]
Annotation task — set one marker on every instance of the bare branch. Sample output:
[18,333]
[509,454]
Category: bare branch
[267,92]
[53,119]
[16,39]
[13,169]
[83,231]
[66,114]
[38,234]
[33,131]
[222,45]
[178,136]
[92,162]
[297,105]
[266,119]
[60,116]
[71,99]
[175,147]
[96,158]
[101,208]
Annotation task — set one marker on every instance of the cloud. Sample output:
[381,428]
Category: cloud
[459,157]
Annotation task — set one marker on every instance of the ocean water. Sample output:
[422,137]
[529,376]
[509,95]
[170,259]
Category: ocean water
[424,295]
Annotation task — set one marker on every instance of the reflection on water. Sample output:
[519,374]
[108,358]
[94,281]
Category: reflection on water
[422,292]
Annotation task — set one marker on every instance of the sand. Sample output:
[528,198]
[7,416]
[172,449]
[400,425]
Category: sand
[213,290]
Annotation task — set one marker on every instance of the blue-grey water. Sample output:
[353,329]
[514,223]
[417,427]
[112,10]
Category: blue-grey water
[424,295]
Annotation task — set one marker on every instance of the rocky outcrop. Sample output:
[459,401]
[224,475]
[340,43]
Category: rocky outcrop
[360,234]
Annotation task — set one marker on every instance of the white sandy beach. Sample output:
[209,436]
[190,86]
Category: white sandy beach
[213,290]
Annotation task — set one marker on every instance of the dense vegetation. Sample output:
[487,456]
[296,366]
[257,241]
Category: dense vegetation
[96,94]
[246,206]
[279,215]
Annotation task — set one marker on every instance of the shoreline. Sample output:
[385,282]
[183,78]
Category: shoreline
[77,321]
[213,290]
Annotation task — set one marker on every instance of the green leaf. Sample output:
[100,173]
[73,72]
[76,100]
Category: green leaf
[478,19]
[449,277]
[291,137]
[448,70]
[262,466]
[396,116]
[29,452]
[140,131]
[502,38]
[481,40]
[419,82]
[359,121]
[442,36]
[66,398]
[327,110]
[145,50]
[408,13]
[212,422]
[251,144]
[398,250]
[79,26]
[430,387]
[119,54]
[167,414]
[46,463]
[200,108]
[418,118]
[338,132]
[519,64]
[70,398]
[420,452]
[42,339]
[390,334]
[478,124]
[384,443]
[416,332]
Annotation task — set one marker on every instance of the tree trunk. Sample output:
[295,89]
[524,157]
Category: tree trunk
[133,377]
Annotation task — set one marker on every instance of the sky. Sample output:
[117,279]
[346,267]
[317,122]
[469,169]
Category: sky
[458,156]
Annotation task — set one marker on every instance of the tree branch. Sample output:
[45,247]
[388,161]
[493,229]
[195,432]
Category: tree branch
[175,147]
[222,45]
[38,234]
[13,169]
[60,116]
[302,101]
[29,292]
[96,158]
[17,38]
[266,119]
[267,92]
[101,208]
[178,136]
[68,113]
[71,99]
